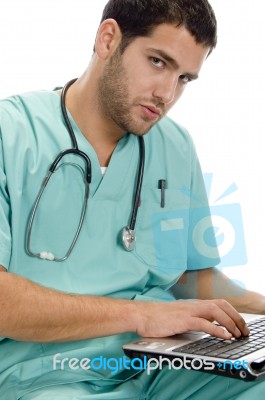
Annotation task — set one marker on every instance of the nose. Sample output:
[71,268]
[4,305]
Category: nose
[166,89]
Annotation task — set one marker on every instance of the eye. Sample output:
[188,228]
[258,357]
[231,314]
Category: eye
[185,79]
[157,62]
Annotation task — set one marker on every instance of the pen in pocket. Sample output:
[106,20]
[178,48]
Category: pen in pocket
[162,187]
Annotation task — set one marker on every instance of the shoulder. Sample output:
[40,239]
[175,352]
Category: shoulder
[18,108]
[23,118]
[27,99]
[27,124]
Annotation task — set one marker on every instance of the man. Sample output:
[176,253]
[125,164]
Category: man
[101,296]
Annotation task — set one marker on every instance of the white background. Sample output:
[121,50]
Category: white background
[44,43]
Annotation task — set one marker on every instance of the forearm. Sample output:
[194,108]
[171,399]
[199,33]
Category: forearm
[212,283]
[251,302]
[30,312]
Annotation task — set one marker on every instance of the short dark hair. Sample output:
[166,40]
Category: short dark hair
[140,17]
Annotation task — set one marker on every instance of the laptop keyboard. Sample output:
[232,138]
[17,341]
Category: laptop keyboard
[229,349]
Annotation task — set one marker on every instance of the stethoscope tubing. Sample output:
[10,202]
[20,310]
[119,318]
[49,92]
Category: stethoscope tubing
[44,254]
[128,238]
[139,183]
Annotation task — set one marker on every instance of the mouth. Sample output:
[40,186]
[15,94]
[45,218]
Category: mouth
[151,112]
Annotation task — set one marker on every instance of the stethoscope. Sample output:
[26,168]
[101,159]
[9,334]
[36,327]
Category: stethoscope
[128,237]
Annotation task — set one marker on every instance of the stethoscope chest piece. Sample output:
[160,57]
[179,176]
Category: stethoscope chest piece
[128,238]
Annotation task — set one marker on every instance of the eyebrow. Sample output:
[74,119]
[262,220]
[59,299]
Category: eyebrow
[172,62]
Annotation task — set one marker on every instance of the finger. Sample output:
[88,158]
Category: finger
[201,324]
[212,311]
[236,317]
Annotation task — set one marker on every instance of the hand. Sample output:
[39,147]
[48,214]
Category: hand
[166,319]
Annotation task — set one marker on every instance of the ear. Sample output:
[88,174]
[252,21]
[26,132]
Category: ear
[108,38]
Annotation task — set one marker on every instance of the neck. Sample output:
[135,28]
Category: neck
[82,102]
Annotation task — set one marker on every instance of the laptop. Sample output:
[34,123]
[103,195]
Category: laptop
[242,358]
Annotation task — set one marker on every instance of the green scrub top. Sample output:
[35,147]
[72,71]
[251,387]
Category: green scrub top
[168,239]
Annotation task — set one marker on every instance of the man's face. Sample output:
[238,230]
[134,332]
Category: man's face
[139,87]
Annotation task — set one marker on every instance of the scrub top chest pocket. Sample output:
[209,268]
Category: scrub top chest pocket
[162,229]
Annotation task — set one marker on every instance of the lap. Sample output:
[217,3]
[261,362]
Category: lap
[165,384]
[86,391]
[194,385]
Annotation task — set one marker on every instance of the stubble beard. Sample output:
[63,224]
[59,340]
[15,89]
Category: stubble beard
[114,97]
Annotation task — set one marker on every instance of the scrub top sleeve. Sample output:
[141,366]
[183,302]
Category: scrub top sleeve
[202,246]
[5,233]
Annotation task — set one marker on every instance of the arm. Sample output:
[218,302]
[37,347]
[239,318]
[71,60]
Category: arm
[30,312]
[211,283]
